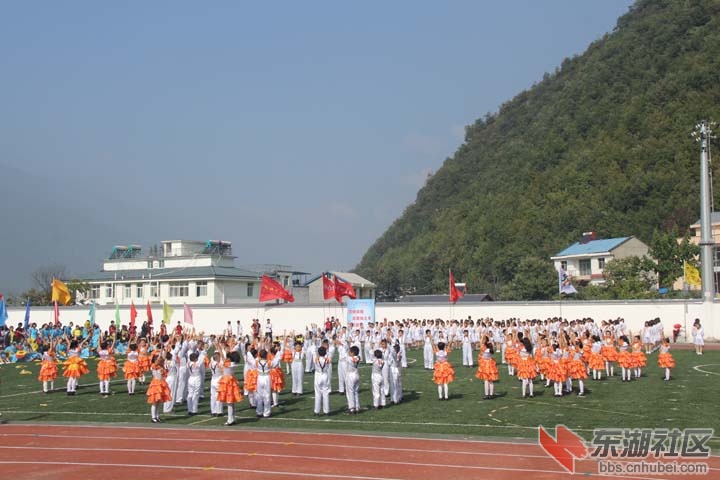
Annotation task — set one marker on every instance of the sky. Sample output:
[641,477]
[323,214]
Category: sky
[297,130]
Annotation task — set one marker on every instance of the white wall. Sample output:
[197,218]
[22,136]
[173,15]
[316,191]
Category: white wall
[213,318]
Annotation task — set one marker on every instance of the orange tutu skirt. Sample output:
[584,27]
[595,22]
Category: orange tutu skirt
[512,357]
[105,370]
[229,390]
[639,359]
[587,351]
[487,370]
[48,371]
[526,369]
[625,360]
[556,372]
[144,362]
[443,373]
[542,364]
[251,380]
[577,370]
[287,356]
[131,370]
[597,362]
[277,379]
[666,360]
[609,353]
[74,367]
[158,391]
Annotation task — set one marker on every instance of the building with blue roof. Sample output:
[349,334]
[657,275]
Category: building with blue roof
[585,260]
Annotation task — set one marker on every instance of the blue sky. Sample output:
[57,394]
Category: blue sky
[297,130]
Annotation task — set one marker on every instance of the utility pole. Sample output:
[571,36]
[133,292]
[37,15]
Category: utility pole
[703,134]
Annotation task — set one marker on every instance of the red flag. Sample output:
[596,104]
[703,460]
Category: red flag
[343,289]
[271,290]
[133,314]
[455,293]
[188,318]
[328,287]
[149,314]
[57,313]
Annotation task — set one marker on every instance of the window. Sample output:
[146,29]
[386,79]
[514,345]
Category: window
[139,291]
[149,264]
[128,290]
[95,291]
[563,265]
[250,289]
[601,263]
[154,290]
[179,289]
[201,289]
[109,290]
[585,267]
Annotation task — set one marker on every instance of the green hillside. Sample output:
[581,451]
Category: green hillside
[601,144]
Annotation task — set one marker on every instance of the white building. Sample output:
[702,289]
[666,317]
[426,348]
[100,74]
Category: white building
[585,260]
[180,271]
[363,287]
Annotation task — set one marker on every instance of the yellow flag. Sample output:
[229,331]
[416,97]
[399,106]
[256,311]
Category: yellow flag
[60,292]
[167,313]
[692,276]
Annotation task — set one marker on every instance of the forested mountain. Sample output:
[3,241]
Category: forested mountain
[601,144]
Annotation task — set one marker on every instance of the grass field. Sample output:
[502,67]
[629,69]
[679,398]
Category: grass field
[688,400]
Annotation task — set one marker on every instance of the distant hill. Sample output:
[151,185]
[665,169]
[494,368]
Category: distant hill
[601,144]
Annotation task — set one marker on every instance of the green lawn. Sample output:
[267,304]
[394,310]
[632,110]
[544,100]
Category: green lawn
[688,400]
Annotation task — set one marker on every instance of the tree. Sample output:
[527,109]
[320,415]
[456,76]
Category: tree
[630,277]
[43,276]
[669,255]
[536,279]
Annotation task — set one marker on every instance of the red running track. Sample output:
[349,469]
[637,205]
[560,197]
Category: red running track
[34,451]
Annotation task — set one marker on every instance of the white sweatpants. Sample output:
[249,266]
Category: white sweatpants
[378,390]
[262,396]
[396,381]
[322,392]
[297,377]
[182,379]
[193,393]
[467,354]
[215,406]
[342,366]
[352,389]
[172,383]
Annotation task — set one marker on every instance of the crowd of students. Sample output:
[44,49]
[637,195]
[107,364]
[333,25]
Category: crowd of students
[179,363]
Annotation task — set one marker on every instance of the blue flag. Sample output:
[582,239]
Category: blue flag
[27,314]
[92,313]
[3,312]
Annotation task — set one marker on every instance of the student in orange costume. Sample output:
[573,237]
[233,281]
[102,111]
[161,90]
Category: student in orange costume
[665,358]
[443,372]
[487,370]
[158,391]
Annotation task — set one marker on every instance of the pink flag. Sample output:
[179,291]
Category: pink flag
[188,315]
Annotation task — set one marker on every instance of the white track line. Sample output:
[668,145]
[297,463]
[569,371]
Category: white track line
[266,442]
[698,369]
[204,469]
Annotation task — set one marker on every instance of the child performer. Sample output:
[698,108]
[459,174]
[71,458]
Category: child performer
[277,377]
[105,370]
[158,391]
[48,369]
[216,369]
[352,380]
[297,369]
[487,368]
[555,372]
[287,356]
[596,362]
[444,373]
[378,389]
[665,358]
[131,369]
[250,378]
[527,370]
[639,358]
[171,369]
[577,369]
[74,367]
[262,389]
[625,358]
[428,350]
[610,354]
[698,334]
[194,385]
[396,356]
[143,359]
[511,354]
[322,382]
[228,386]
[467,359]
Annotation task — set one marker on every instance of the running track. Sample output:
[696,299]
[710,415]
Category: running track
[36,451]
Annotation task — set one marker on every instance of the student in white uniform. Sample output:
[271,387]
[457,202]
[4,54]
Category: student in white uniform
[262,393]
[297,369]
[322,382]
[377,380]
[698,334]
[194,383]
[352,380]
[342,350]
[396,374]
[467,359]
[216,372]
[428,354]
